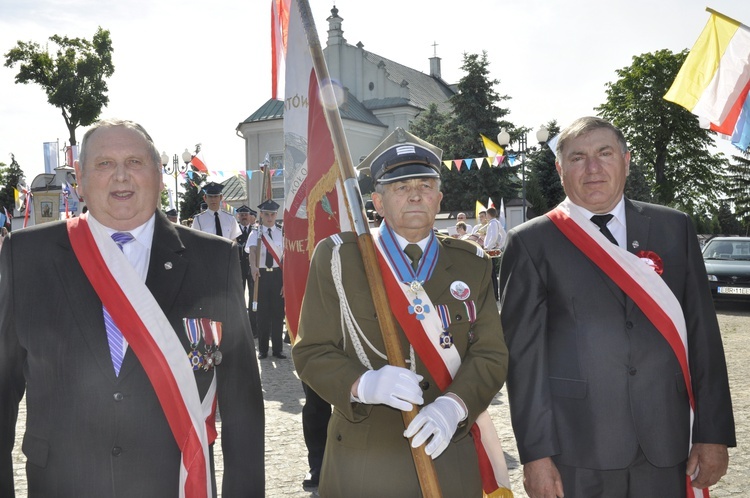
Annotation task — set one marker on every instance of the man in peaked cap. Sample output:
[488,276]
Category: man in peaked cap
[439,289]
[213,219]
[267,274]
[246,219]
[171,215]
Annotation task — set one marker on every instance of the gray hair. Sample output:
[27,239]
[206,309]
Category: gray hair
[112,123]
[584,125]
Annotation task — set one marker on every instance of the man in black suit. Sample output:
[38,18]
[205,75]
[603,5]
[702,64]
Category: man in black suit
[124,331]
[612,336]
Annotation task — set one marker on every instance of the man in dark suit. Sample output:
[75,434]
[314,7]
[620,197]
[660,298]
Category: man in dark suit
[601,325]
[123,351]
[454,330]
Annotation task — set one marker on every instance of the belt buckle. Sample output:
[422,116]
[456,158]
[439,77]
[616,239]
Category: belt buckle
[269,269]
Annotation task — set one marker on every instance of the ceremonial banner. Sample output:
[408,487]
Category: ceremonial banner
[314,203]
[714,81]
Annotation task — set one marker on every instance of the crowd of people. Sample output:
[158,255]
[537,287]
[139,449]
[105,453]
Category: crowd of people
[615,368]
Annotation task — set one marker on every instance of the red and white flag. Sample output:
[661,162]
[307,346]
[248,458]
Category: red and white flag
[314,202]
[279,39]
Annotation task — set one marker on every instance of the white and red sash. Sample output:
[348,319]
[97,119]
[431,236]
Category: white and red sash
[155,343]
[272,248]
[443,364]
[639,281]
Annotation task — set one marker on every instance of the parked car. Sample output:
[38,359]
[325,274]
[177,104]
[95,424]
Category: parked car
[727,262]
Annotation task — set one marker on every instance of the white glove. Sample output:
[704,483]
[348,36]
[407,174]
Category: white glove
[439,419]
[392,386]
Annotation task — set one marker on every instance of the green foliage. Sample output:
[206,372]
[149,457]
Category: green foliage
[432,127]
[475,110]
[193,197]
[637,185]
[73,78]
[544,190]
[10,177]
[739,187]
[728,224]
[664,138]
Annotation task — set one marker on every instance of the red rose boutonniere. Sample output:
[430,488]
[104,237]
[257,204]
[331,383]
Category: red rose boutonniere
[653,260]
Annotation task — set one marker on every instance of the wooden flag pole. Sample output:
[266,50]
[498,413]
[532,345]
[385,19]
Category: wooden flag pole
[426,474]
[266,195]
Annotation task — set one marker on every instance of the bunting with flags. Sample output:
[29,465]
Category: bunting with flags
[714,81]
[314,206]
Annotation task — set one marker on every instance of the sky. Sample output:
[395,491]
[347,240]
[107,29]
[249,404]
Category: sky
[190,70]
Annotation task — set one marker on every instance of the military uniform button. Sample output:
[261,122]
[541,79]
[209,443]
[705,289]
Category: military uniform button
[118,396]
[425,385]
[116,451]
[632,371]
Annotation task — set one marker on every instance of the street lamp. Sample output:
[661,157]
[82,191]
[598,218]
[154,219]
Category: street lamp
[176,169]
[503,139]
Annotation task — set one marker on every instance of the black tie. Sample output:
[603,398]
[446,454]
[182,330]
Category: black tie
[218,224]
[601,221]
[415,253]
[269,257]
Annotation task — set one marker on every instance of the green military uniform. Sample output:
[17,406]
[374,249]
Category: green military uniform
[366,452]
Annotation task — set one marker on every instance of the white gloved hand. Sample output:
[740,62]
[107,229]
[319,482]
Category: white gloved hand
[439,419]
[393,386]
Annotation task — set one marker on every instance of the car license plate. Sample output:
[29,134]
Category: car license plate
[734,290]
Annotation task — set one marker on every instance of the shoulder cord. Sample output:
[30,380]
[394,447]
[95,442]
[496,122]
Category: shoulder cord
[349,325]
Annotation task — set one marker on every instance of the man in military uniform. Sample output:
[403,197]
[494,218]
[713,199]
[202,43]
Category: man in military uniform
[266,272]
[213,219]
[246,218]
[448,322]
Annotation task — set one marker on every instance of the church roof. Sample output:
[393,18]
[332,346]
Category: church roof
[352,109]
[423,88]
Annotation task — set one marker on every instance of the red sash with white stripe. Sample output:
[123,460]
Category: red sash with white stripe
[639,281]
[442,365]
[272,248]
[153,340]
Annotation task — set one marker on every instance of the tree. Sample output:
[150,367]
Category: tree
[739,187]
[431,127]
[664,138]
[544,190]
[10,177]
[192,198]
[475,110]
[74,79]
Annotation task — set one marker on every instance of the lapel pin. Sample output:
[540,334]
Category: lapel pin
[168,265]
[635,244]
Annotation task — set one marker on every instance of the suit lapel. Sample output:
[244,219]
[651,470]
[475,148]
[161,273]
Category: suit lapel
[166,271]
[85,305]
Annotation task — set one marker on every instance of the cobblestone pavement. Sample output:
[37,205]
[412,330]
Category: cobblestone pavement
[286,455]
